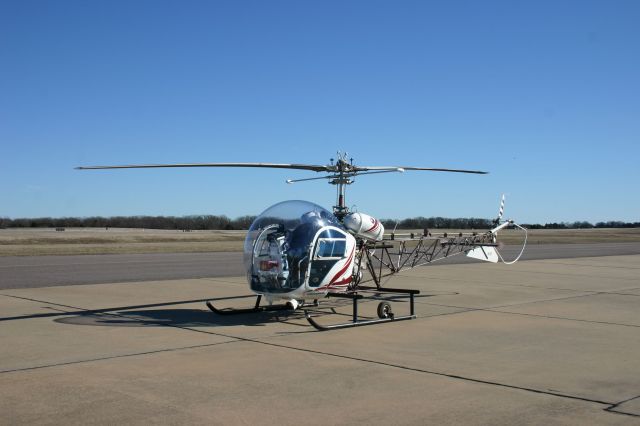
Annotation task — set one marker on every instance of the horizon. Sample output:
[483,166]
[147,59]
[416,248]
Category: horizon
[238,218]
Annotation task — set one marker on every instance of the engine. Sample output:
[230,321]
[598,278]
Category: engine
[364,226]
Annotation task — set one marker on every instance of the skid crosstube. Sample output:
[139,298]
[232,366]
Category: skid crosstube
[355,296]
[256,308]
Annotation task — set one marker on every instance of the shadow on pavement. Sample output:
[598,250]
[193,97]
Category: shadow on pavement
[180,318]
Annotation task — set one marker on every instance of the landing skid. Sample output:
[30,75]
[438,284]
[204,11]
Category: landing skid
[257,308]
[384,309]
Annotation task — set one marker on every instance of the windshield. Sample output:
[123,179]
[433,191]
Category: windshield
[278,245]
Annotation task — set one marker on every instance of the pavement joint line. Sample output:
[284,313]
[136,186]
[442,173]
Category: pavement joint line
[577,296]
[527,271]
[385,364]
[82,311]
[379,363]
[565,318]
[111,281]
[436,373]
[514,304]
[125,281]
[83,361]
[595,292]
[513,270]
[466,309]
[522,286]
[85,263]
[590,265]
[613,408]
[624,413]
[103,310]
[491,283]
[217,279]
[606,277]
[627,400]
[461,311]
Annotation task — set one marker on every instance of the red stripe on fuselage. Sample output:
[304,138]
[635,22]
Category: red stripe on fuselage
[343,270]
[374,227]
[342,284]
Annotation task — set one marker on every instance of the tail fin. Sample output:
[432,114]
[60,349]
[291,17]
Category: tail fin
[497,226]
[491,253]
[488,254]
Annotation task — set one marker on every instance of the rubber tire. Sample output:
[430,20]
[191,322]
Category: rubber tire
[384,310]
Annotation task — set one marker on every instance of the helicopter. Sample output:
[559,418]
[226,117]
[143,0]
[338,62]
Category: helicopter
[297,252]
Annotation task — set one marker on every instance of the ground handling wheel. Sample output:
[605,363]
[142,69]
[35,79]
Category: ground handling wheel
[384,310]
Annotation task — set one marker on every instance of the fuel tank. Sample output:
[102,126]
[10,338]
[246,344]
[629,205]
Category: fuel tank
[364,226]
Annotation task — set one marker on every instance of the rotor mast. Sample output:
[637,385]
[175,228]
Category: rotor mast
[343,170]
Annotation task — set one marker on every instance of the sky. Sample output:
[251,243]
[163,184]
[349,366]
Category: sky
[544,95]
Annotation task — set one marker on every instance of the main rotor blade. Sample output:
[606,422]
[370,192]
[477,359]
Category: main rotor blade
[311,167]
[366,168]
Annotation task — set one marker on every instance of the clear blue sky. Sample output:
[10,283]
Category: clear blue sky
[545,95]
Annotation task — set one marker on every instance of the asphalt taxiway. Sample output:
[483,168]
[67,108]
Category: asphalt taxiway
[542,341]
[47,271]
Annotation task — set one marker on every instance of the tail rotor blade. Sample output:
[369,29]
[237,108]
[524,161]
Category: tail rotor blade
[501,211]
[497,220]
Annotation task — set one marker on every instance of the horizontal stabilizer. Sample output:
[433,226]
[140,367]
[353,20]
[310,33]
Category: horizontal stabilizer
[488,254]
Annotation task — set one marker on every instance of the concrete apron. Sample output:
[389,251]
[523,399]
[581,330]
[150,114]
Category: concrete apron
[540,341]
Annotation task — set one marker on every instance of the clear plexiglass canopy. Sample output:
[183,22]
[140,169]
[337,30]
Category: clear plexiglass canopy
[278,246]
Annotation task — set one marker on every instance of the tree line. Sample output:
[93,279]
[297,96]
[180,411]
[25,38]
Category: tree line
[477,223]
[198,222]
[585,225]
[211,222]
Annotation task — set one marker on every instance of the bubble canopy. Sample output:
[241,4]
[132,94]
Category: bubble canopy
[278,245]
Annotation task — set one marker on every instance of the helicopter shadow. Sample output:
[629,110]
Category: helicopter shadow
[181,318]
[191,318]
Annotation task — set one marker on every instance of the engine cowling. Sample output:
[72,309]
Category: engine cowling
[364,226]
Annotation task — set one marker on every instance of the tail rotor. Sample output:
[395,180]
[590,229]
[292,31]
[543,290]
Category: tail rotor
[497,220]
[498,225]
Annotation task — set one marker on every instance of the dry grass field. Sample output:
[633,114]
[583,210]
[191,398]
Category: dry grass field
[47,241]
